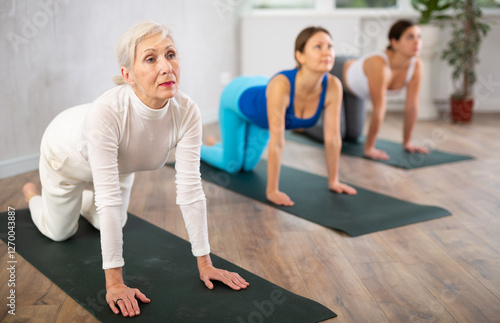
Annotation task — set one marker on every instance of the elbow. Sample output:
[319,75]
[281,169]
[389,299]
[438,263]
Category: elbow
[411,108]
[334,141]
[378,116]
[276,145]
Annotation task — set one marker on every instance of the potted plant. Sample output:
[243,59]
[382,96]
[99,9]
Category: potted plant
[431,10]
[468,30]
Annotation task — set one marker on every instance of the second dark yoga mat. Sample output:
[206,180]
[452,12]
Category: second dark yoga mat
[161,265]
[398,157]
[356,215]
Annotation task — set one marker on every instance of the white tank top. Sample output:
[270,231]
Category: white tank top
[358,82]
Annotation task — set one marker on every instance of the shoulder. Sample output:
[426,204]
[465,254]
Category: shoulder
[113,95]
[334,90]
[375,59]
[279,83]
[116,96]
[417,71]
[110,104]
[278,90]
[334,83]
[278,93]
[184,107]
[375,62]
[418,64]
[183,101]
[375,68]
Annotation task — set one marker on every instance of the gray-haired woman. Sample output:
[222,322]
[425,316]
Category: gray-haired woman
[130,128]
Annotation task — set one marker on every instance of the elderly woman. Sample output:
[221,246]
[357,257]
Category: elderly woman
[130,128]
[255,110]
[375,76]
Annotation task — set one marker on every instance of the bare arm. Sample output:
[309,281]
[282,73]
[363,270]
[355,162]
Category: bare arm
[378,78]
[333,140]
[411,109]
[277,94]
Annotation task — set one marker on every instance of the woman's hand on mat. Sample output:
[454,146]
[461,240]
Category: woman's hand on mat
[208,273]
[279,198]
[340,188]
[416,149]
[124,299]
[376,154]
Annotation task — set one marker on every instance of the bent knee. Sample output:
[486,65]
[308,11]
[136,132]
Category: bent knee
[60,235]
[352,138]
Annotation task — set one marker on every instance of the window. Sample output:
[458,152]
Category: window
[365,3]
[323,5]
[283,4]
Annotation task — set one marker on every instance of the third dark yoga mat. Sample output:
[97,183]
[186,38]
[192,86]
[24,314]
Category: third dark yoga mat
[162,267]
[398,157]
[356,215]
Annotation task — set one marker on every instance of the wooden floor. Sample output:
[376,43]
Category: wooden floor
[443,270]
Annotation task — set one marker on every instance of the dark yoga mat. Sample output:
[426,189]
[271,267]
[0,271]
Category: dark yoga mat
[398,156]
[161,265]
[356,215]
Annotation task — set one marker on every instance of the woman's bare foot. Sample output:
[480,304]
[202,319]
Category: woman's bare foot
[29,190]
[376,154]
[210,141]
[279,198]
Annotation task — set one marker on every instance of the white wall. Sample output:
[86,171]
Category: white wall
[59,53]
[267,41]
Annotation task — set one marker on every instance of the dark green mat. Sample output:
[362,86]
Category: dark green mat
[363,213]
[398,156]
[161,265]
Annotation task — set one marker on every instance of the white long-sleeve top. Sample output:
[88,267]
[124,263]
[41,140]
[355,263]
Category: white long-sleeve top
[121,135]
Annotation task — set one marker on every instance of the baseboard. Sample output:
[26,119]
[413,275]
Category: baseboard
[443,105]
[19,165]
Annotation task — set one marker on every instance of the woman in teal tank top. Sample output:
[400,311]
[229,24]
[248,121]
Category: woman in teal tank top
[255,111]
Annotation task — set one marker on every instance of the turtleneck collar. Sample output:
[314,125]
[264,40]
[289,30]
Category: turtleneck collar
[145,111]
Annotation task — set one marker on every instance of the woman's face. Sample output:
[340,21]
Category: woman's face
[318,54]
[156,71]
[410,42]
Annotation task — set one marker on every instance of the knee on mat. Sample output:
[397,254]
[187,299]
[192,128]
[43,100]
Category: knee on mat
[62,235]
[233,167]
[351,137]
[124,219]
[250,167]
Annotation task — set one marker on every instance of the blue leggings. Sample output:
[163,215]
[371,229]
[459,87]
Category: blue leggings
[242,141]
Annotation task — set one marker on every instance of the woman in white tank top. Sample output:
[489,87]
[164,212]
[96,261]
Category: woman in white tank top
[376,75]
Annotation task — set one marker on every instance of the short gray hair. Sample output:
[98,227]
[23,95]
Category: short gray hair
[128,41]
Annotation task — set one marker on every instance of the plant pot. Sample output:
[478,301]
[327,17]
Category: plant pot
[461,110]
[430,37]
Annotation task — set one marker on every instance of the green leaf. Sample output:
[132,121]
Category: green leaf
[442,17]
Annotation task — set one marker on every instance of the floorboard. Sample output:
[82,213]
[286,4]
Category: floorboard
[443,270]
